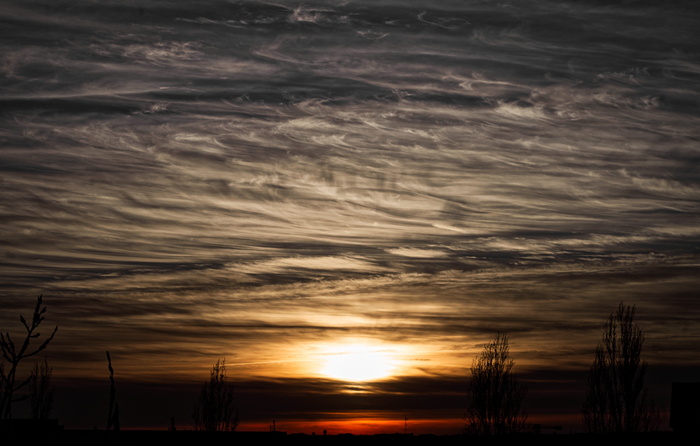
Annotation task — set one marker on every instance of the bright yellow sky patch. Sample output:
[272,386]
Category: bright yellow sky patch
[357,362]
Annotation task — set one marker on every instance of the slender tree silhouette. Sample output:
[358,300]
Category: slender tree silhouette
[495,395]
[616,399]
[113,410]
[215,409]
[15,353]
[41,391]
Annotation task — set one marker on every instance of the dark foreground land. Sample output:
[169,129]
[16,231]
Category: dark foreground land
[195,438]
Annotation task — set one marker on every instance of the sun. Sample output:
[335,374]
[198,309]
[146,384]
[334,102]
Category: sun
[357,363]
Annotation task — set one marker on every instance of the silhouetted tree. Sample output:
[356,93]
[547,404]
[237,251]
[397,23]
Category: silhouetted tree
[495,395]
[113,411]
[15,353]
[41,391]
[215,409]
[616,399]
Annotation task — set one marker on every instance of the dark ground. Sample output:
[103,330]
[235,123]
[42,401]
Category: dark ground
[119,438]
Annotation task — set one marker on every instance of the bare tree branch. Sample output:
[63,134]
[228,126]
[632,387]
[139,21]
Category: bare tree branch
[14,356]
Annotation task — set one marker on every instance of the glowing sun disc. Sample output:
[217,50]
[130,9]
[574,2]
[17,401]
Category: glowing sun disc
[357,365]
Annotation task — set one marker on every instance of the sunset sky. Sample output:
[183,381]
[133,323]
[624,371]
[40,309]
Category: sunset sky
[346,200]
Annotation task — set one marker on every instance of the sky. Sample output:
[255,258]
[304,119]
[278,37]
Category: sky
[301,188]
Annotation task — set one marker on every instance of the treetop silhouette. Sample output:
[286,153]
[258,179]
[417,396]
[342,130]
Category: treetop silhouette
[215,409]
[495,395]
[616,399]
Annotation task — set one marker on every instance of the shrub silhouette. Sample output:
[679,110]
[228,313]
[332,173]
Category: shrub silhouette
[15,353]
[616,399]
[215,409]
[495,395]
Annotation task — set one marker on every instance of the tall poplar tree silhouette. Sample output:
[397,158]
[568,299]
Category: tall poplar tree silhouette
[616,399]
[215,409]
[495,395]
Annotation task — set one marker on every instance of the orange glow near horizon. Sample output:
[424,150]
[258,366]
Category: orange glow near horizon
[374,423]
[364,426]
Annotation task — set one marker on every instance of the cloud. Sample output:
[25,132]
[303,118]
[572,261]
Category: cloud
[253,194]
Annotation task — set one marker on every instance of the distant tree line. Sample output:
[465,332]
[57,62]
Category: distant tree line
[616,399]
